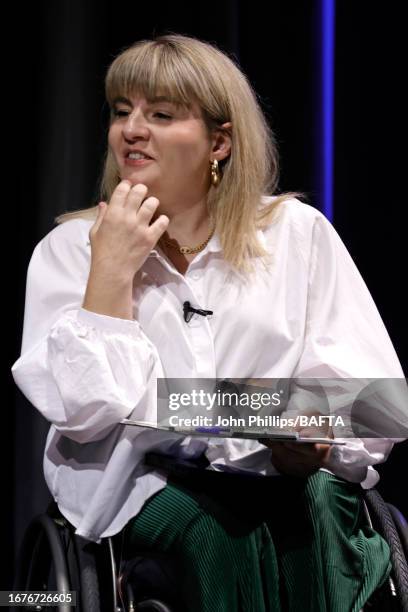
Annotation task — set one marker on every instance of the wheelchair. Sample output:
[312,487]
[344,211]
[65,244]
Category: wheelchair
[54,558]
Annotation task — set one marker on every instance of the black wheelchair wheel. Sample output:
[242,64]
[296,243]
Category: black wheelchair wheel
[42,564]
[401,526]
[51,559]
[383,522]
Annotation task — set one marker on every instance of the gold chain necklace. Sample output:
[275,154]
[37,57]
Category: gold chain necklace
[186,250]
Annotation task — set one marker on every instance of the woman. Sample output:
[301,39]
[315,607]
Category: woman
[187,215]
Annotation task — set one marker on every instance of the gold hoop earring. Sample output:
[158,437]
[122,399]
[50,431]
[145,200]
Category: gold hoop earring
[215,173]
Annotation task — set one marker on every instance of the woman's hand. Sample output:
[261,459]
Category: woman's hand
[121,240]
[298,459]
[302,459]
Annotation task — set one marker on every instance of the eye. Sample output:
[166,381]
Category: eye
[119,112]
[162,116]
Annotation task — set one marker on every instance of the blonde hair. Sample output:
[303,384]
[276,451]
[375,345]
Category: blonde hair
[187,70]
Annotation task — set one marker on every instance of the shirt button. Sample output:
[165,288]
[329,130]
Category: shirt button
[196,275]
[83,332]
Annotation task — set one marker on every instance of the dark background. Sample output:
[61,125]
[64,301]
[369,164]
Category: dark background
[54,129]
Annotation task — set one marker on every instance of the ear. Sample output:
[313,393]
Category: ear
[221,142]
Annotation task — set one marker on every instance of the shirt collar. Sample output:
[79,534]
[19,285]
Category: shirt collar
[214,245]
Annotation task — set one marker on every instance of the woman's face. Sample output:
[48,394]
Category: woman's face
[175,140]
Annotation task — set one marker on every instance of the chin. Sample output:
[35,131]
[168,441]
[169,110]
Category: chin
[138,175]
[134,179]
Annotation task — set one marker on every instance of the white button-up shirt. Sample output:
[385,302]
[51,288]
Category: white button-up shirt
[309,315]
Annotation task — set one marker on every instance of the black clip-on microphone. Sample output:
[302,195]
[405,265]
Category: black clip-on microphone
[188,311]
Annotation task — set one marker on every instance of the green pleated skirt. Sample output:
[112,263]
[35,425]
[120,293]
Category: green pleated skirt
[264,544]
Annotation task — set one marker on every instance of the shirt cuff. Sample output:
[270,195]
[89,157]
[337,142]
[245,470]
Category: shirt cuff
[371,478]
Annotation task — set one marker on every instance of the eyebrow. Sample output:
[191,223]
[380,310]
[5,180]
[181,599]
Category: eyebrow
[154,100]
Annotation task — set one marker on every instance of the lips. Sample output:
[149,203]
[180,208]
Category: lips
[137,162]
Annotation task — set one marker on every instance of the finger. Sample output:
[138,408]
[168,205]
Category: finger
[120,194]
[306,450]
[136,196]
[309,447]
[324,450]
[157,229]
[147,210]
[314,454]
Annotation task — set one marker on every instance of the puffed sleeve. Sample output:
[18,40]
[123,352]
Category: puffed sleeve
[345,338]
[83,371]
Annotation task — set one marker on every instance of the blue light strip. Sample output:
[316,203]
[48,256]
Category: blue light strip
[327,104]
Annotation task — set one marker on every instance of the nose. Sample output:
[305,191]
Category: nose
[135,125]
